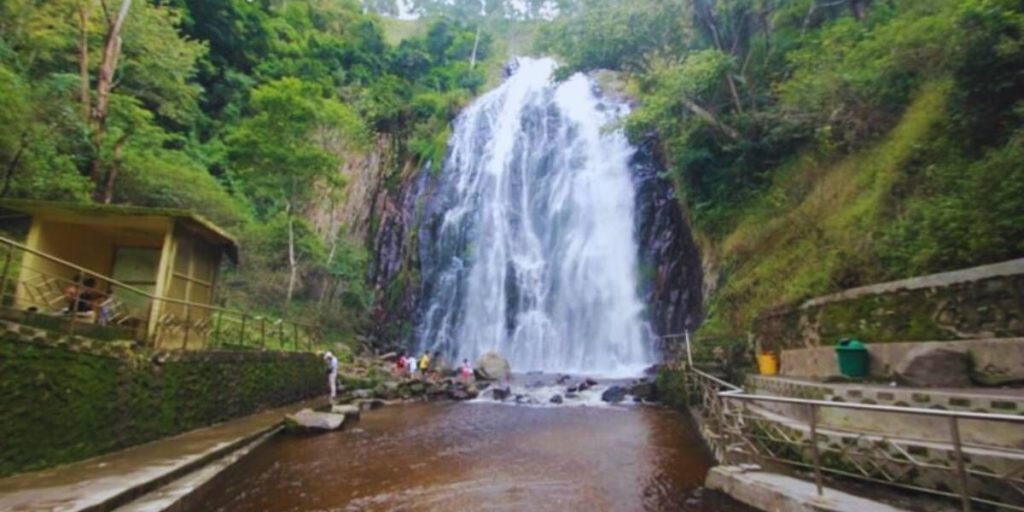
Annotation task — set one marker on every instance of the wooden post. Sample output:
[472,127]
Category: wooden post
[263,333]
[188,324]
[3,280]
[216,327]
[241,331]
[73,307]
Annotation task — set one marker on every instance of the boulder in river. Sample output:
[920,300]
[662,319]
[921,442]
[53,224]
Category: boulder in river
[491,366]
[308,420]
[936,367]
[350,412]
[614,394]
[557,399]
[644,391]
[501,393]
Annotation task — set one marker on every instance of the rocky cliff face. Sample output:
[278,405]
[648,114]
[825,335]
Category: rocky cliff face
[670,259]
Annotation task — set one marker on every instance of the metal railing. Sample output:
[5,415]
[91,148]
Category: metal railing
[743,427]
[92,304]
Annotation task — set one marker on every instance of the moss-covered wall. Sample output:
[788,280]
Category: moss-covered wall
[983,302]
[63,400]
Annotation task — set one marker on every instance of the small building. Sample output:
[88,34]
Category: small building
[151,270]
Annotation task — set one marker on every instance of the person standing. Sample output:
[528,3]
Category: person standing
[466,372]
[425,364]
[332,373]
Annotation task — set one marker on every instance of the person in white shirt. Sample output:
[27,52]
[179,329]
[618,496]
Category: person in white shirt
[410,364]
[332,373]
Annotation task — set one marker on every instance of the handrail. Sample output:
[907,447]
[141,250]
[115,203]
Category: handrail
[308,329]
[719,413]
[742,394]
[119,284]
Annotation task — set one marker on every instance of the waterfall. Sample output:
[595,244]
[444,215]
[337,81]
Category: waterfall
[528,242]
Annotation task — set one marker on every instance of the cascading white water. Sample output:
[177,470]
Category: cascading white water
[531,250]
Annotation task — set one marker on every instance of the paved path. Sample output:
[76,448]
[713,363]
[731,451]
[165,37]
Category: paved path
[107,481]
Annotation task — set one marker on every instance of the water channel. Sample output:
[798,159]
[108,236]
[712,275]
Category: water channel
[479,456]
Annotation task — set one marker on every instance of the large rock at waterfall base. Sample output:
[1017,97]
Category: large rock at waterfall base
[308,420]
[614,394]
[935,367]
[492,366]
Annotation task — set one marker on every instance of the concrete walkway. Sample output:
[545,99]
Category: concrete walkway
[779,493]
[111,480]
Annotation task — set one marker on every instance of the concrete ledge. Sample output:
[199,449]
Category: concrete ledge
[1002,356]
[778,493]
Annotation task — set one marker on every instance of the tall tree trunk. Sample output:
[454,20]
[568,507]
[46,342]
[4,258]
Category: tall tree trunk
[476,44]
[104,85]
[83,56]
[293,265]
[12,166]
[115,167]
[704,11]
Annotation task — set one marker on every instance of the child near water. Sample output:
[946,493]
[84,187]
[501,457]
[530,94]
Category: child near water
[466,371]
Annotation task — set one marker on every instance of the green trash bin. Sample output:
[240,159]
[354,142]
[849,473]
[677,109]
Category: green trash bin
[853,358]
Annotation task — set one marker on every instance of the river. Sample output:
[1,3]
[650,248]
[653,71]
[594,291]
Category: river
[479,456]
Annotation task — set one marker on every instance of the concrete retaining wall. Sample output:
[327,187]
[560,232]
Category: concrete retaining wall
[65,399]
[977,303]
[993,359]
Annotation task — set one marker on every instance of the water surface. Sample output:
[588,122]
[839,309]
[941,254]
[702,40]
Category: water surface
[478,456]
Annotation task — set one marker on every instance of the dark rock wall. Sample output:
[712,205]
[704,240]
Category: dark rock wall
[671,272]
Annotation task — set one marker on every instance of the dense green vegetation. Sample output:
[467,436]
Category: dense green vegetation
[241,110]
[822,145]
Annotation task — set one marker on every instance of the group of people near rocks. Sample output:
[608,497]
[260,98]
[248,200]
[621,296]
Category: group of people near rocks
[431,367]
[428,366]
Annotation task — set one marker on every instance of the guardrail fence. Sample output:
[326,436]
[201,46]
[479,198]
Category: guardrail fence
[775,430]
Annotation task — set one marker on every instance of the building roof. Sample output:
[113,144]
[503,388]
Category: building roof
[191,220]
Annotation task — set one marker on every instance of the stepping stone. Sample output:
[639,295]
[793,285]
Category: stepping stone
[308,420]
[350,412]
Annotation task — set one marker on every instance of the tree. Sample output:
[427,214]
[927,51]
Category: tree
[278,155]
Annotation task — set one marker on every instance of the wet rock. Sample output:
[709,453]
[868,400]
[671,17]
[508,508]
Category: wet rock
[571,396]
[370,404]
[644,392]
[418,387]
[931,366]
[501,393]
[563,379]
[350,412]
[614,394]
[491,366]
[557,399]
[590,382]
[308,420]
[525,400]
[362,394]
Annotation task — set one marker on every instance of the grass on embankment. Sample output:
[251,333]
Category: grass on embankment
[906,205]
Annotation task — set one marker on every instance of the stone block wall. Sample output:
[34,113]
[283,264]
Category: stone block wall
[65,399]
[976,303]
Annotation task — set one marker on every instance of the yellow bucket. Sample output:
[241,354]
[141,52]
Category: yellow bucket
[767,363]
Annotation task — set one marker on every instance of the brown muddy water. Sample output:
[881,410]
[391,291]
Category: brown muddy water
[478,456]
